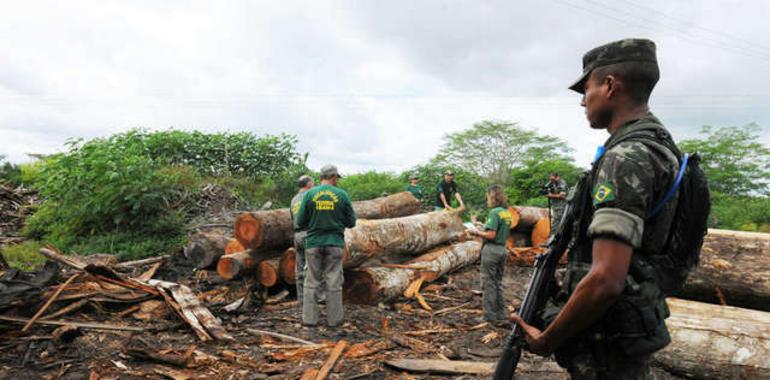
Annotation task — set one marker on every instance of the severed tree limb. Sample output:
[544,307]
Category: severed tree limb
[331,360]
[85,325]
[136,263]
[280,336]
[49,302]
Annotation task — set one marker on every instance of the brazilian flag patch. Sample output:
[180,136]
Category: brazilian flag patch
[603,192]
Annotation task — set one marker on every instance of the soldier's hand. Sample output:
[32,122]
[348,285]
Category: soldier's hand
[536,340]
[448,208]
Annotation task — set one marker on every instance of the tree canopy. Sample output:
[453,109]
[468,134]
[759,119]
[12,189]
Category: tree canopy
[492,149]
[734,161]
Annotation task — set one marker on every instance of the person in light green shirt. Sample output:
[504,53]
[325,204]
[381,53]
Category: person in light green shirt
[325,211]
[493,255]
[414,187]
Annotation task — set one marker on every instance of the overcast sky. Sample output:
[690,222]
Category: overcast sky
[363,84]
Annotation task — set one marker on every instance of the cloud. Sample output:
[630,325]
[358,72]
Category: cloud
[364,84]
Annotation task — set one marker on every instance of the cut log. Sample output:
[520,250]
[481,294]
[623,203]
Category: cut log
[235,265]
[274,229]
[540,232]
[410,234]
[267,272]
[737,263]
[519,239]
[205,248]
[233,246]
[717,342]
[529,216]
[287,266]
[391,206]
[372,284]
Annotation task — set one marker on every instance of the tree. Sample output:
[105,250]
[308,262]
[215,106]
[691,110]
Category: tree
[527,180]
[734,161]
[492,149]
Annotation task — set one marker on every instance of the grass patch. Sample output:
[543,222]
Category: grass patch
[25,256]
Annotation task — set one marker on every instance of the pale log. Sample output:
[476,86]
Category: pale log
[529,215]
[273,229]
[410,234]
[454,367]
[738,263]
[368,285]
[716,342]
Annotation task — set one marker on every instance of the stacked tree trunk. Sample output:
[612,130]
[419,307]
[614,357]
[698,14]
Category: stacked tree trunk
[530,229]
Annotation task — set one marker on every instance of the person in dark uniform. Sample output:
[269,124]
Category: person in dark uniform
[446,190]
[414,186]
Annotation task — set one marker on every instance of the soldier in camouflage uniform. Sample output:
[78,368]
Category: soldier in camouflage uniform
[608,318]
[557,193]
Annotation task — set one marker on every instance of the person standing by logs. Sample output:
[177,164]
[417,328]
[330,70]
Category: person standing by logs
[325,211]
[304,183]
[556,192]
[414,186]
[445,190]
[493,255]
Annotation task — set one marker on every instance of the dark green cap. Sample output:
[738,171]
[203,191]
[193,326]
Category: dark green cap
[628,50]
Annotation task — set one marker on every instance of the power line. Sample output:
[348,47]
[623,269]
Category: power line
[646,27]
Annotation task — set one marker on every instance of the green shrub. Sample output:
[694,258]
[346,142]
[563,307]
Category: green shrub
[371,184]
[740,213]
[9,172]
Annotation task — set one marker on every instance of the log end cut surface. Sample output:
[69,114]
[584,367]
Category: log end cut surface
[248,230]
[287,266]
[233,246]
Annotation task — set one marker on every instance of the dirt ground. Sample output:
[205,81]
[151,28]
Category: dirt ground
[441,333]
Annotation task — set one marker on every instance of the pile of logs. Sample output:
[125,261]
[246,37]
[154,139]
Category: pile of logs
[16,204]
[530,229]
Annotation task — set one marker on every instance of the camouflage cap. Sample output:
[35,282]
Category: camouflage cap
[330,170]
[627,50]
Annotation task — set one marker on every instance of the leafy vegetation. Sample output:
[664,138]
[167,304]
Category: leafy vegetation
[134,193]
[127,194]
[493,149]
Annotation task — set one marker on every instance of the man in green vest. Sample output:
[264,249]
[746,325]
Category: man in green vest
[414,186]
[325,212]
[608,318]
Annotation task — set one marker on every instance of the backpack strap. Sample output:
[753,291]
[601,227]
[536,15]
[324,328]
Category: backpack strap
[659,140]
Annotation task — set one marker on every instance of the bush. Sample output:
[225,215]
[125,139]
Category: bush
[740,213]
[371,184]
[9,172]
[129,195]
[25,256]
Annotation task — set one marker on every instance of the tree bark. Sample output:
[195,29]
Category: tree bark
[205,248]
[410,234]
[717,342]
[274,229]
[737,263]
[392,206]
[528,216]
[368,285]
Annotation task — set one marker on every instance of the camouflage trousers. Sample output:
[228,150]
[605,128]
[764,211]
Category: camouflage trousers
[300,267]
[583,366]
[323,263]
[492,264]
[557,211]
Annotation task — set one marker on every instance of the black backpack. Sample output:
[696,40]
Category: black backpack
[690,223]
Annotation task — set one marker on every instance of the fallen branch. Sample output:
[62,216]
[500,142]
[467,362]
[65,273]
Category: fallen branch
[85,325]
[280,336]
[331,360]
[49,302]
[136,263]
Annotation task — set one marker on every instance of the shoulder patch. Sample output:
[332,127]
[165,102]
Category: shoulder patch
[603,192]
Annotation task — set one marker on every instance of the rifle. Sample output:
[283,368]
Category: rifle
[537,293]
